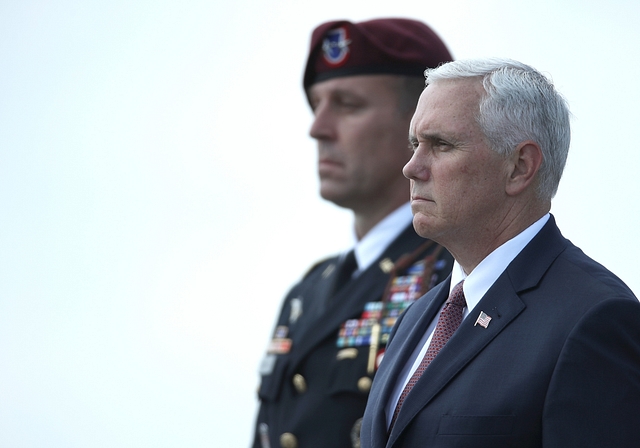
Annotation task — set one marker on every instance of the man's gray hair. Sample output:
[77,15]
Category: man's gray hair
[520,104]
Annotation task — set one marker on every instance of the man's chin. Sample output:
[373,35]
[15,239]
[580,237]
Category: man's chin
[423,225]
[333,195]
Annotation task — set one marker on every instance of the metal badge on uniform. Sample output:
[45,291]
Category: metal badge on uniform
[328,270]
[483,320]
[347,353]
[296,310]
[281,332]
[386,265]
[280,344]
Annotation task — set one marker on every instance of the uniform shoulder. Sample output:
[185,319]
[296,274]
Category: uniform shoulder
[318,264]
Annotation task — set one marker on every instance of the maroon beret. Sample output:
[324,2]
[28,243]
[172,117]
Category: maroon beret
[380,46]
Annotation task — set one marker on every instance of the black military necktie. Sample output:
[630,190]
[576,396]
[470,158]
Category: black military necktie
[345,270]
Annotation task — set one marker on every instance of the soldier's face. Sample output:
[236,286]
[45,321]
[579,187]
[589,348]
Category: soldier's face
[362,138]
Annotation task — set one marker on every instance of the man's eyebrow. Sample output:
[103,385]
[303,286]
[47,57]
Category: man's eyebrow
[426,136]
[345,92]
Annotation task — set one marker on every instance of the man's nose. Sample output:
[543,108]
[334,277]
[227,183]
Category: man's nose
[323,126]
[417,168]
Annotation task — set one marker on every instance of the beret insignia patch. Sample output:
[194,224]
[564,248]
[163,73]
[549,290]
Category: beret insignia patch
[335,46]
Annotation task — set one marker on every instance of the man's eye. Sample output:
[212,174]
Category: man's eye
[348,102]
[442,145]
[348,105]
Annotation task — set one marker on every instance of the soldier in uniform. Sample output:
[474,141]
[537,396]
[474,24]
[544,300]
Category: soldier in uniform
[362,81]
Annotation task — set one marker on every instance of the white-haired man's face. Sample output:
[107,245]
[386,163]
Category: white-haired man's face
[457,181]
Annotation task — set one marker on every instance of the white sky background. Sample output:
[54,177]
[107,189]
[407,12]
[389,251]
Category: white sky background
[158,194]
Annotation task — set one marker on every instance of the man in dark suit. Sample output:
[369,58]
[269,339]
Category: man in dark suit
[539,346]
[362,81]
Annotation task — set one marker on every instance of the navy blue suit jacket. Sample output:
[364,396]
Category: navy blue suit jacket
[558,365]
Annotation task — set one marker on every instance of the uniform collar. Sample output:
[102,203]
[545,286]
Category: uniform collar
[375,242]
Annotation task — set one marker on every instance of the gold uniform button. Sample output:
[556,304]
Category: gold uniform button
[364,384]
[288,440]
[299,383]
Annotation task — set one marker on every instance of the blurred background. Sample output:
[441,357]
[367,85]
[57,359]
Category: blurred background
[158,193]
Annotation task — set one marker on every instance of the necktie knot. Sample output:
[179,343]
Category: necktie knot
[457,296]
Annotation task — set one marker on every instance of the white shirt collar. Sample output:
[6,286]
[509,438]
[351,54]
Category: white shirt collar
[478,282]
[376,241]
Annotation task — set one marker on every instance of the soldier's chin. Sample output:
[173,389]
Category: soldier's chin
[332,195]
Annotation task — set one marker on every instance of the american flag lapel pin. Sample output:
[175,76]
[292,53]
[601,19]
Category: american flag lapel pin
[483,319]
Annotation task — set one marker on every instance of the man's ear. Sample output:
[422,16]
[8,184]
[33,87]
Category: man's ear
[523,167]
